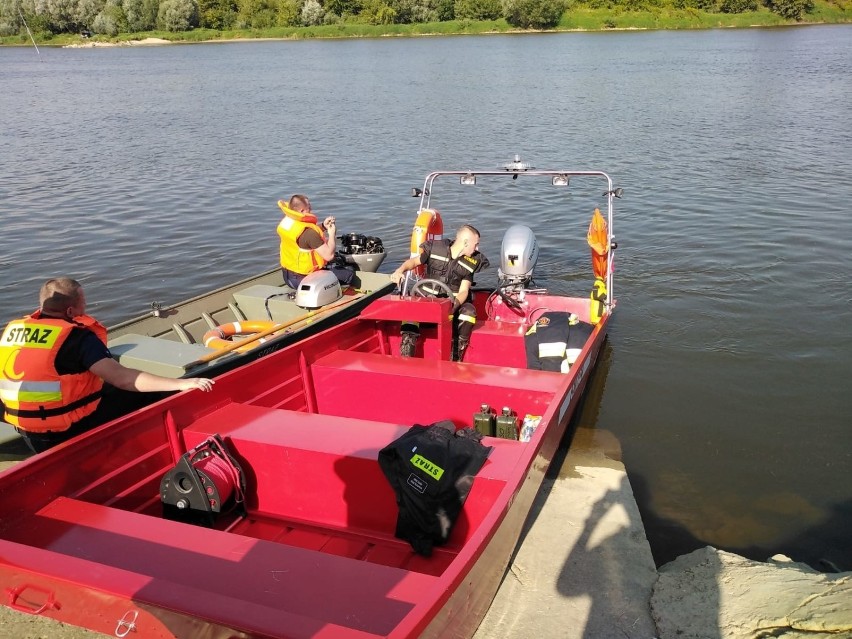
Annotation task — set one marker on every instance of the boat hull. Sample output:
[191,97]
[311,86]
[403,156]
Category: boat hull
[90,548]
[300,534]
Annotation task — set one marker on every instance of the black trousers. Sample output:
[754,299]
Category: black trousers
[344,275]
[461,328]
[113,404]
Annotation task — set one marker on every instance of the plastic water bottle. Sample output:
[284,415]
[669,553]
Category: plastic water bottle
[531,422]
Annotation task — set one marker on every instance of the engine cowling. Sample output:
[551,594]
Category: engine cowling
[518,255]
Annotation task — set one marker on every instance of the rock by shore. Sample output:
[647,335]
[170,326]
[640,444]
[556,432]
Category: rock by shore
[712,594]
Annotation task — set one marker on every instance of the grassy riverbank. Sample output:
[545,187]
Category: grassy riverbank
[576,19]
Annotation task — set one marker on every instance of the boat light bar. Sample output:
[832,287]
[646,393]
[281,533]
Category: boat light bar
[517,165]
[559,180]
[468,179]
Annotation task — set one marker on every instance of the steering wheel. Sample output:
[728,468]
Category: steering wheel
[417,289]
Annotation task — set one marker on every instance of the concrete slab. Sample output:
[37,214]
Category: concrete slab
[584,569]
[12,447]
[7,433]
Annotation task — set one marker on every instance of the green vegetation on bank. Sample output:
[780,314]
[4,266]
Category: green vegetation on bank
[64,22]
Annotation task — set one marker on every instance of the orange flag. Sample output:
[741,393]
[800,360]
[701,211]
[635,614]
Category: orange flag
[599,242]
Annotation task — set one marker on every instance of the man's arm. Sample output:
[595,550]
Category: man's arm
[325,248]
[131,379]
[461,296]
[407,265]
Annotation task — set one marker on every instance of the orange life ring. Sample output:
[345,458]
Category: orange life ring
[220,336]
[428,226]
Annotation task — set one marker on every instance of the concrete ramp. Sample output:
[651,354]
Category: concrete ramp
[584,569]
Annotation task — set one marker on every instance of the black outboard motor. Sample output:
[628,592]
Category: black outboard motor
[373,245]
[356,244]
[363,252]
[206,482]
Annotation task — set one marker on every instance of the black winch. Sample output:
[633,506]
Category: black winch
[206,482]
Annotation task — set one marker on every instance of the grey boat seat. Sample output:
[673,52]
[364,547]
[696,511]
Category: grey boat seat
[255,300]
[155,355]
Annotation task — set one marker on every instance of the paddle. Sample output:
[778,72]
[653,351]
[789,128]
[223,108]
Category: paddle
[273,329]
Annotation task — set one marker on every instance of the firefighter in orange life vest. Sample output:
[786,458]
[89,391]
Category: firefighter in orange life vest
[454,263]
[53,365]
[306,244]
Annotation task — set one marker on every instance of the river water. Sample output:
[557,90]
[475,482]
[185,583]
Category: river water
[152,174]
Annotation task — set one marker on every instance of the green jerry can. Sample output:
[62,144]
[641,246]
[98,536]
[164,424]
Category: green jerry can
[483,421]
[507,424]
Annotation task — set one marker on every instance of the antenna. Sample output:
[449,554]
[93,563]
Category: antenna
[30,32]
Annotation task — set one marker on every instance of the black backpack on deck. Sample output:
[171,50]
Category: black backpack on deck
[431,470]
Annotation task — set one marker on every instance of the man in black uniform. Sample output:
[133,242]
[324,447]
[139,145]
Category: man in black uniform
[454,263]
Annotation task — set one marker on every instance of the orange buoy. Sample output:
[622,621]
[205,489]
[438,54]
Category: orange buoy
[220,337]
[428,226]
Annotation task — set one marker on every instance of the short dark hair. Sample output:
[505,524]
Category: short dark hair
[469,227]
[58,294]
[298,202]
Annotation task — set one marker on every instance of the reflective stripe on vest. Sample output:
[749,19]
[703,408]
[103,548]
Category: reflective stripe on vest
[11,391]
[552,349]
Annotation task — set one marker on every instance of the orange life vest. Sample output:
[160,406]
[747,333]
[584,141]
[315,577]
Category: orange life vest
[37,398]
[292,225]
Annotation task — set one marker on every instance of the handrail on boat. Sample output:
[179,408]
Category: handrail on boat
[518,168]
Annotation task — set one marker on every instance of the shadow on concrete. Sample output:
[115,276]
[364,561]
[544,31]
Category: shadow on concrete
[585,413]
[604,571]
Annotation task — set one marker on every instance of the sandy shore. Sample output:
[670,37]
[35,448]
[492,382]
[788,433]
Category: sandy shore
[147,42]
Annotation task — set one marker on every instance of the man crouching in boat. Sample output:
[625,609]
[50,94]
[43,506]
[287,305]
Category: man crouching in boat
[306,245]
[54,365]
[454,263]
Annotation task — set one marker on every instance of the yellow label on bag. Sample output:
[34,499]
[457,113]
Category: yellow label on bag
[425,465]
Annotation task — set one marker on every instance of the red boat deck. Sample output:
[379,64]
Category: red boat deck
[260,583]
[318,504]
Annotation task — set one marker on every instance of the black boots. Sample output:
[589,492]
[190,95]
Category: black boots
[462,347]
[408,344]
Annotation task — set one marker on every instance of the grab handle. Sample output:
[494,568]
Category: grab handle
[15,593]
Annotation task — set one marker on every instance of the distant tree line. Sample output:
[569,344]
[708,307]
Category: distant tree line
[111,17]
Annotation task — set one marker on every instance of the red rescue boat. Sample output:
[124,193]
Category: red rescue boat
[261,509]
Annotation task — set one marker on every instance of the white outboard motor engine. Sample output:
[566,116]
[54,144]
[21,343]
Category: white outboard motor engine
[318,289]
[518,256]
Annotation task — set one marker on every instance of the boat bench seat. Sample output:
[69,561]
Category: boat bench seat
[497,339]
[255,300]
[155,355]
[424,391]
[324,468]
[253,584]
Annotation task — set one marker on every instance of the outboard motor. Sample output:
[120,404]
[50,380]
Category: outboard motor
[206,482]
[518,256]
[353,243]
[318,289]
[363,252]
